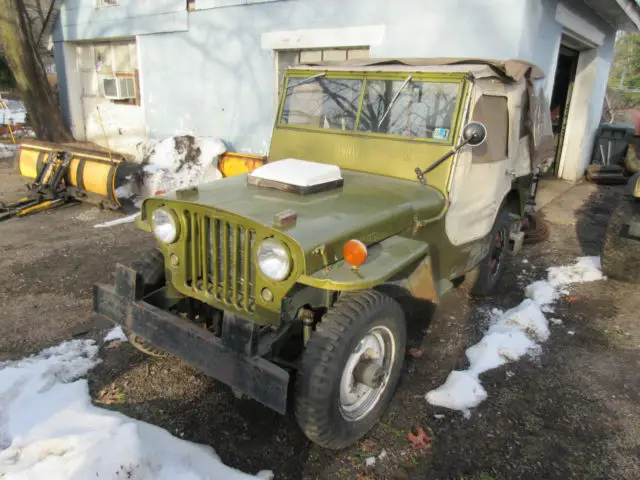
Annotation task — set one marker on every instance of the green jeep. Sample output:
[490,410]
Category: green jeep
[383,176]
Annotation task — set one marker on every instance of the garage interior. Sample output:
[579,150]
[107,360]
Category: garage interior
[551,185]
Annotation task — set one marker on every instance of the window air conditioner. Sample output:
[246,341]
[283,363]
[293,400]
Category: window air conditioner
[118,88]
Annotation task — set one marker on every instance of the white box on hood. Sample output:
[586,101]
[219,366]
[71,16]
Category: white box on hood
[300,173]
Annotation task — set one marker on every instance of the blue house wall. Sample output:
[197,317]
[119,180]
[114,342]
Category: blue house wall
[212,71]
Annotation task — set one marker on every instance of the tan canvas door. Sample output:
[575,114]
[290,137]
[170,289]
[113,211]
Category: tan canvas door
[482,176]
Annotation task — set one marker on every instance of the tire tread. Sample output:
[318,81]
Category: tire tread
[321,363]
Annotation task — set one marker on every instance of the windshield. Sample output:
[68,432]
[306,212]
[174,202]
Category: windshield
[402,107]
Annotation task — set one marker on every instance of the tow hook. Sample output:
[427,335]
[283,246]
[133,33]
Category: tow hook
[306,316]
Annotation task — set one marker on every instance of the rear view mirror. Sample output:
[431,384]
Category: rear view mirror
[474,134]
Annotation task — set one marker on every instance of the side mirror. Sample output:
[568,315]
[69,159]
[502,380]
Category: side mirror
[474,134]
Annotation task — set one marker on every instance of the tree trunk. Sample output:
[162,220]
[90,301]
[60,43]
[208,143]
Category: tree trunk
[42,108]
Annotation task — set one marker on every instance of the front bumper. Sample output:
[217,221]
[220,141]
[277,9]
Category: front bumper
[254,376]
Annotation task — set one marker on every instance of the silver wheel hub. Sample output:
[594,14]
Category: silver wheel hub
[366,373]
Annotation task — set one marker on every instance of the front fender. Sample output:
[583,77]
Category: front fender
[386,259]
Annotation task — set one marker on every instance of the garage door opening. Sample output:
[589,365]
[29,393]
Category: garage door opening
[561,100]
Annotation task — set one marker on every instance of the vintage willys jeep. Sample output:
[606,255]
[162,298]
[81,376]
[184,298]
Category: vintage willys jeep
[382,176]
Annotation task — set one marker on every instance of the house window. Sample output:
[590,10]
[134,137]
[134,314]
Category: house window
[110,71]
[289,58]
[107,3]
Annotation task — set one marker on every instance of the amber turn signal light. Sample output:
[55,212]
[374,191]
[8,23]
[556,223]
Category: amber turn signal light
[355,252]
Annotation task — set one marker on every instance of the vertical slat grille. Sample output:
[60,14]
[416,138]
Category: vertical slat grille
[206,253]
[246,255]
[195,251]
[220,261]
[235,277]
[225,262]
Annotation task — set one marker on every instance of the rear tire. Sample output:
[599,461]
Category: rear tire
[332,408]
[631,160]
[484,278]
[150,269]
[606,174]
[620,255]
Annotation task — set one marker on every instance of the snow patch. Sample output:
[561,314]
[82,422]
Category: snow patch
[50,430]
[541,292]
[512,335]
[181,162]
[116,333]
[498,348]
[585,269]
[174,163]
[117,221]
[527,318]
[461,391]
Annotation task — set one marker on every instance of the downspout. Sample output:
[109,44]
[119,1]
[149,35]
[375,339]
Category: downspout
[632,10]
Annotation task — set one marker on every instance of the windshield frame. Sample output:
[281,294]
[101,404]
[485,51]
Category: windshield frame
[416,76]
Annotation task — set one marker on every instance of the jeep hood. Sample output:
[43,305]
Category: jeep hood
[367,207]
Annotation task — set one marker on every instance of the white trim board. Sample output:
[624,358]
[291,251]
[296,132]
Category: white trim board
[324,38]
[578,27]
[631,10]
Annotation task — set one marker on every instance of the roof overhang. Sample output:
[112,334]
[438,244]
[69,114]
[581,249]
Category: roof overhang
[620,14]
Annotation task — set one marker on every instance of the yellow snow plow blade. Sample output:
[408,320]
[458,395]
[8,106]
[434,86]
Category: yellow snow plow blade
[91,175]
[57,174]
[233,163]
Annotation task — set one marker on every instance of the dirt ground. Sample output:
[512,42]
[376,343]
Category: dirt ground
[573,412]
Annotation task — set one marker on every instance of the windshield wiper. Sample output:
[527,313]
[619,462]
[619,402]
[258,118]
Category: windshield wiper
[393,100]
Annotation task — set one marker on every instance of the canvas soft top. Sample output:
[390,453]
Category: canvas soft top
[507,70]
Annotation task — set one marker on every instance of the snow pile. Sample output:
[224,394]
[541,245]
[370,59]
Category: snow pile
[174,163]
[50,430]
[115,334]
[12,112]
[511,335]
[182,162]
[586,269]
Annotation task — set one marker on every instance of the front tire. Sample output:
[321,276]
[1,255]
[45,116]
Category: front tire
[620,256]
[361,339]
[631,160]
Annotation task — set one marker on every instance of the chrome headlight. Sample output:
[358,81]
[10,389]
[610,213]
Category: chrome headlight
[274,260]
[164,225]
